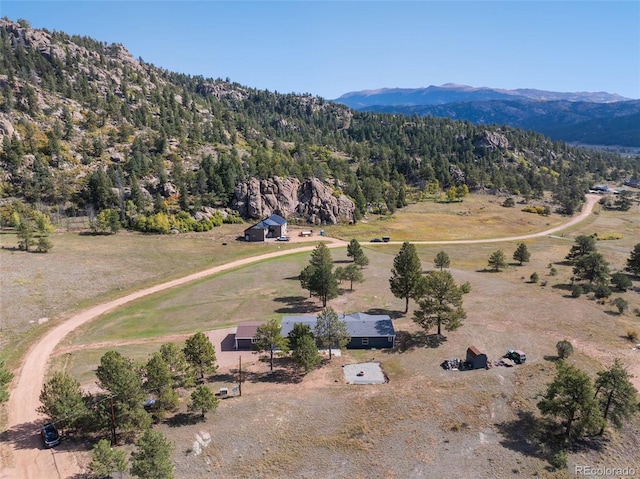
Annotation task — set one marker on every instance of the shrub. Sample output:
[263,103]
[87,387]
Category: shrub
[540,210]
[233,219]
[621,304]
[509,203]
[576,291]
[621,281]
[553,271]
[534,277]
[564,348]
[608,236]
[632,335]
[601,291]
[559,460]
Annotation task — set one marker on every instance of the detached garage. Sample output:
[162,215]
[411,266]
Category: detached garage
[476,359]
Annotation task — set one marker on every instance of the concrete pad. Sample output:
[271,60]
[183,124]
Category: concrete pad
[364,373]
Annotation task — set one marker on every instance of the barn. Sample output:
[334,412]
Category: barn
[271,227]
[476,359]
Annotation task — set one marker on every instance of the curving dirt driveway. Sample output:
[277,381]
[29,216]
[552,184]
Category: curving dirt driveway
[23,456]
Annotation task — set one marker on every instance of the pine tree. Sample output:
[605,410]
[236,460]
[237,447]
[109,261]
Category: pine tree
[497,260]
[152,458]
[522,254]
[330,332]
[616,394]
[406,273]
[200,354]
[442,260]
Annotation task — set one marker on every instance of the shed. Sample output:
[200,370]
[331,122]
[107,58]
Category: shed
[245,336]
[476,359]
[272,227]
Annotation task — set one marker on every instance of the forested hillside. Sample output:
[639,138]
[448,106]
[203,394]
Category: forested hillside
[86,128]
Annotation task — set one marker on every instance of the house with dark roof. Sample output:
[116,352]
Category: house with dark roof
[271,227]
[245,336]
[367,331]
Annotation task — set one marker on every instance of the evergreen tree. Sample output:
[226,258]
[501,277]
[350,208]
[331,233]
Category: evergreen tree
[442,260]
[318,277]
[330,332]
[592,267]
[584,245]
[106,460]
[351,273]
[200,354]
[440,302]
[5,378]
[62,400]
[203,400]
[616,394]
[354,250]
[497,260]
[633,262]
[406,273]
[305,353]
[570,396]
[268,338]
[152,458]
[521,254]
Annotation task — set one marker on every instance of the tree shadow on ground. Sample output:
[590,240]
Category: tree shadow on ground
[562,286]
[296,304]
[284,372]
[523,435]
[379,311]
[406,341]
[183,419]
[551,359]
[225,377]
[542,439]
[486,270]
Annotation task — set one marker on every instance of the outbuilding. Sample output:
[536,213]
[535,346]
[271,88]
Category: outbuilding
[272,227]
[476,359]
[245,336]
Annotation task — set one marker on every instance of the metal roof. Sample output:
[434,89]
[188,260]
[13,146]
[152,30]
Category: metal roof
[358,324]
[273,220]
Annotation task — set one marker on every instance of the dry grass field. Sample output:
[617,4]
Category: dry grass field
[425,422]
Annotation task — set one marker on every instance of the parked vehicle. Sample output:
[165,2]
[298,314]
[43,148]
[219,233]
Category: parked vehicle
[283,238]
[386,239]
[376,240]
[516,356]
[50,435]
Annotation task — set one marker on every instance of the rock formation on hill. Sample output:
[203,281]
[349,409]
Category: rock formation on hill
[312,200]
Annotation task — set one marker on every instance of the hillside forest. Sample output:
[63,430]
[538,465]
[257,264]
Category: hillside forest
[87,129]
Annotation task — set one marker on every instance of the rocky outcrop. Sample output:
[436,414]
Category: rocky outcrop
[491,140]
[312,200]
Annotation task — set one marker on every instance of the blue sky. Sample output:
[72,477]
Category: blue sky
[329,48]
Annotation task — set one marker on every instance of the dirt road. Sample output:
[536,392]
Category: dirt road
[23,456]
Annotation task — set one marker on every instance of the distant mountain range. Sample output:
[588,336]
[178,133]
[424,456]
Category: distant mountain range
[579,117]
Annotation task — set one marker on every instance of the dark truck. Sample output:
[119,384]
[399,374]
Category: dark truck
[516,356]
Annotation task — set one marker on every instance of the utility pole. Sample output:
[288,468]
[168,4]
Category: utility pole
[113,424]
[240,376]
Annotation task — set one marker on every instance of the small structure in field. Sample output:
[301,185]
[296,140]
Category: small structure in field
[475,358]
[364,373]
[245,336]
